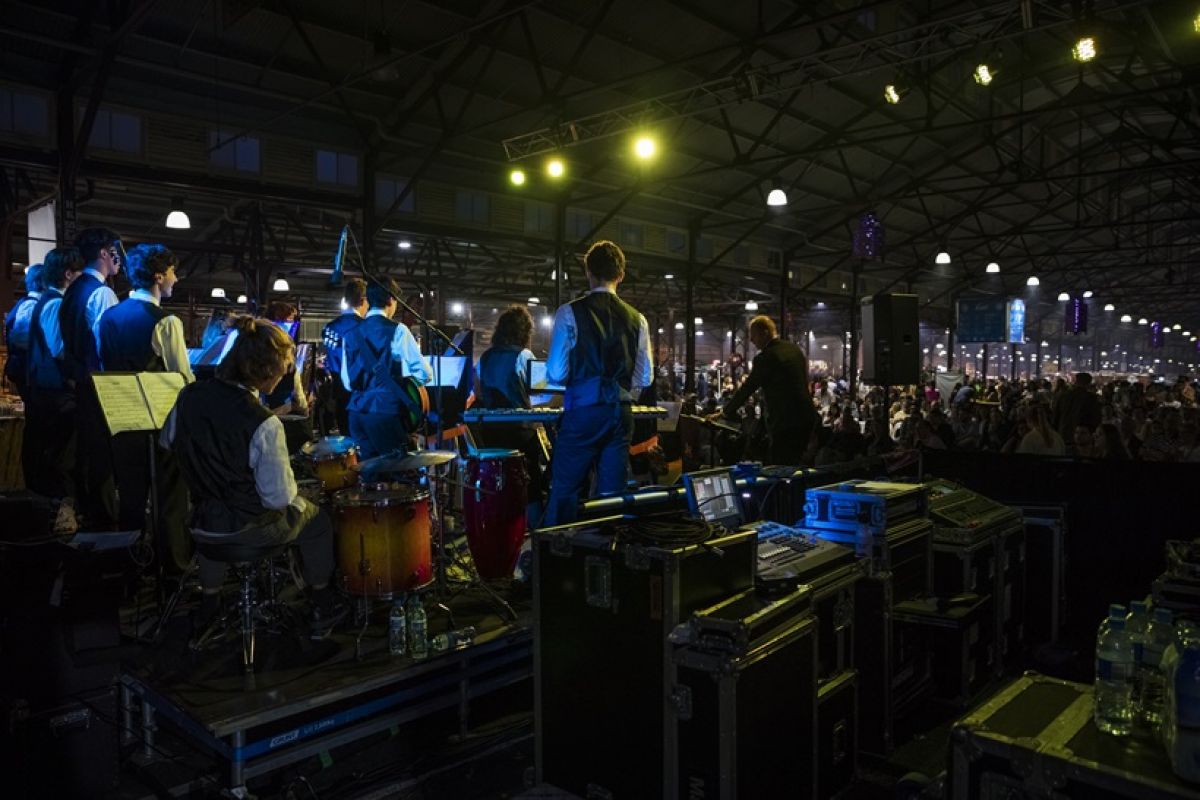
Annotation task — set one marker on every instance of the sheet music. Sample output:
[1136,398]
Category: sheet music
[123,403]
[160,390]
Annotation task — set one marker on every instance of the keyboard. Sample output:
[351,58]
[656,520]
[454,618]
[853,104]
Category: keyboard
[519,415]
[791,556]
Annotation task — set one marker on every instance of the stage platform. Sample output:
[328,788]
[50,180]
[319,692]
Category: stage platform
[309,699]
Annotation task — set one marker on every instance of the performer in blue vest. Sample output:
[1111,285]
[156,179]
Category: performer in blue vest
[83,304]
[16,329]
[381,368]
[502,384]
[138,335]
[335,412]
[49,446]
[232,452]
[600,351]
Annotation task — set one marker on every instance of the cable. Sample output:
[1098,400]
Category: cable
[667,533]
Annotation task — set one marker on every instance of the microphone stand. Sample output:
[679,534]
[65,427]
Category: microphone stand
[431,331]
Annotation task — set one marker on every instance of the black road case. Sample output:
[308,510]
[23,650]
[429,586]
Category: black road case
[960,641]
[747,722]
[1036,739]
[833,606]
[837,734]
[603,673]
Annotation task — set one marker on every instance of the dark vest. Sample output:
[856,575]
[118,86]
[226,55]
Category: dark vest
[501,386]
[602,360]
[214,423]
[375,379]
[126,331]
[17,364]
[44,371]
[79,343]
[333,337]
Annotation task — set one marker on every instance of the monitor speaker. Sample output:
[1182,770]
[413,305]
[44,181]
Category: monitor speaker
[890,341]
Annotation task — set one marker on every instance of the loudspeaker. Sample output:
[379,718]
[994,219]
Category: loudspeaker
[890,342]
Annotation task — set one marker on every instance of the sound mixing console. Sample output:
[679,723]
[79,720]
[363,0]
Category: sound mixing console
[788,556]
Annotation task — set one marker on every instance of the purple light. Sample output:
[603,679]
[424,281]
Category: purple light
[1156,335]
[868,239]
[1077,316]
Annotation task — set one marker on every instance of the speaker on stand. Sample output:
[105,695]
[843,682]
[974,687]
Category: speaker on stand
[891,344]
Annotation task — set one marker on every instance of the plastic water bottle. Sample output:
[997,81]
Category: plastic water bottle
[1114,676]
[1151,681]
[418,629]
[396,629]
[1135,625]
[453,640]
[1181,718]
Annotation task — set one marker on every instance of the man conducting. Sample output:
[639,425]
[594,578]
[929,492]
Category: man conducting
[781,370]
[600,351]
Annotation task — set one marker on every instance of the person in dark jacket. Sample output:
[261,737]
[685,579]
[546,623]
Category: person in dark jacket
[16,330]
[139,335]
[1079,406]
[336,400]
[599,351]
[781,370]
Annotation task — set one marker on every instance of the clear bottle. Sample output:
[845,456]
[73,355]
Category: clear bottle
[418,629]
[453,640]
[397,629]
[1151,681]
[1135,625]
[1113,707]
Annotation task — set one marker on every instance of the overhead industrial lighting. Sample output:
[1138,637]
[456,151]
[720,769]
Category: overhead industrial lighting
[533,301]
[699,320]
[943,257]
[555,168]
[547,321]
[1087,293]
[668,277]
[218,292]
[456,308]
[1045,343]
[1143,321]
[280,285]
[1126,318]
[404,244]
[1063,297]
[645,147]
[777,196]
[1196,23]
[983,74]
[892,93]
[751,305]
[178,218]
[993,268]
[678,326]
[1084,49]
[242,299]
[1109,307]
[1032,280]
[1176,327]
[517,177]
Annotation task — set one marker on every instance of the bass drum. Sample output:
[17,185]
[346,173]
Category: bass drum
[384,547]
[495,494]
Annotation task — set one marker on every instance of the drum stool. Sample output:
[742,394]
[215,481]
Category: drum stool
[249,563]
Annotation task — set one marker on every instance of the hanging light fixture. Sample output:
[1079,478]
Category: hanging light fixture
[984,74]
[1032,280]
[943,257]
[178,218]
[1063,297]
[1143,321]
[218,292]
[777,196]
[1087,293]
[242,299]
[751,305]
[1109,307]
[993,268]
[280,285]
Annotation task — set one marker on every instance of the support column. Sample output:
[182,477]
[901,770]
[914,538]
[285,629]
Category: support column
[65,210]
[560,236]
[985,361]
[784,283]
[368,212]
[953,328]
[1012,361]
[689,322]
[853,328]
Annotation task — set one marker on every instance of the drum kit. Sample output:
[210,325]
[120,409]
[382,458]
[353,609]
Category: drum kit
[390,513]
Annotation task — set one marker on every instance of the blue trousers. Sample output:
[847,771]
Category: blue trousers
[376,434]
[592,437]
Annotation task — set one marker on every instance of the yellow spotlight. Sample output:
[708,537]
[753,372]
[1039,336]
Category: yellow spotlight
[555,168]
[645,148]
[891,94]
[517,177]
[983,74]
[1196,23]
[1085,49]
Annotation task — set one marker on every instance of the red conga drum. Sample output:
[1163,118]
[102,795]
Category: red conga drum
[383,540]
[495,493]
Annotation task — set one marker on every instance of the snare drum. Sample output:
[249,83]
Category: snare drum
[495,493]
[333,459]
[383,541]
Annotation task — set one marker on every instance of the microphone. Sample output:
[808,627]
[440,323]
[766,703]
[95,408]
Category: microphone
[336,278]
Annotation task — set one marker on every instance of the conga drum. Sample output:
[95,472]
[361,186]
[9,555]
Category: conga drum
[495,494]
[333,459]
[383,538]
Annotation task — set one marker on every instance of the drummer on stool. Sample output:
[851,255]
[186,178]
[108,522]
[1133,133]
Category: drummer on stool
[382,367]
[502,371]
[232,453]
[600,351]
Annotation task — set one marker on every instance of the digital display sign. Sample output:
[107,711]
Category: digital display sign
[1016,321]
[982,320]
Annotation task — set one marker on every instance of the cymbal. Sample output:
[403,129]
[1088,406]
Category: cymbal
[397,462]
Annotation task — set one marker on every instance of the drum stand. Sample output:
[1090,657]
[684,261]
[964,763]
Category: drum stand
[442,587]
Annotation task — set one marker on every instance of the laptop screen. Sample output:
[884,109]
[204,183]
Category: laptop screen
[712,494]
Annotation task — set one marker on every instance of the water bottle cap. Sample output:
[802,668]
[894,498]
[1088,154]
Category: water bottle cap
[1163,615]
[1116,611]
[1138,607]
